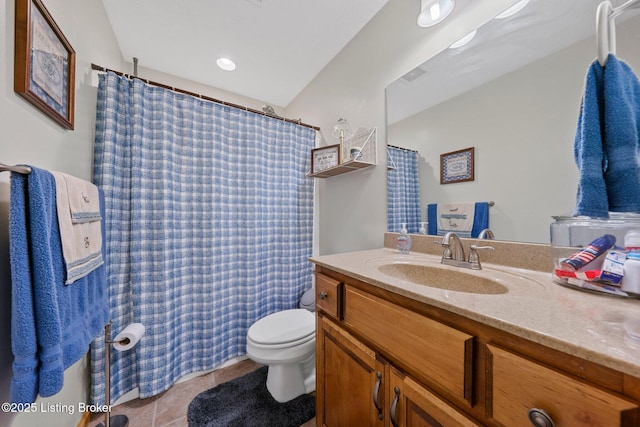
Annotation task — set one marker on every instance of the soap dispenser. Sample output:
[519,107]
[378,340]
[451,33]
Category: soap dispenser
[423,229]
[404,240]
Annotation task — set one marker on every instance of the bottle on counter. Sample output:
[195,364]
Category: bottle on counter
[423,228]
[404,240]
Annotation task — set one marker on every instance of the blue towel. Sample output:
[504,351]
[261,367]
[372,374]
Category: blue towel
[480,219]
[607,141]
[51,324]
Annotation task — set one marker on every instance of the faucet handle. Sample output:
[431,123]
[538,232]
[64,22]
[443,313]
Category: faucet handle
[447,251]
[474,259]
[476,247]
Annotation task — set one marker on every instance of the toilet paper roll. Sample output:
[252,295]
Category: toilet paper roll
[129,337]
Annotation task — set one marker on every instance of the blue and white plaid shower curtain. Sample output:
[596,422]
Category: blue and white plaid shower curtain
[403,191]
[209,220]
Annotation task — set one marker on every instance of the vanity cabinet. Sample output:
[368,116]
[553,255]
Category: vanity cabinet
[384,359]
[357,385]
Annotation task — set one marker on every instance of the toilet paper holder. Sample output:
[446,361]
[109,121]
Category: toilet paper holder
[117,420]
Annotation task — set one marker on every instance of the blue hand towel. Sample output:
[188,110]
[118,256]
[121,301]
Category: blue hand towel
[51,324]
[607,141]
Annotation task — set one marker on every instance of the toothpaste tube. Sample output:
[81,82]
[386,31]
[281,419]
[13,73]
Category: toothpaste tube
[592,251]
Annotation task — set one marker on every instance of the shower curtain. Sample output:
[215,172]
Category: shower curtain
[209,219]
[403,190]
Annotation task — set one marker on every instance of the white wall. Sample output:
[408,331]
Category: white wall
[353,206]
[30,137]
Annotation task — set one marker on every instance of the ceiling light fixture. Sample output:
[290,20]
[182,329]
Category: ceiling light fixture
[434,11]
[464,40]
[226,64]
[513,9]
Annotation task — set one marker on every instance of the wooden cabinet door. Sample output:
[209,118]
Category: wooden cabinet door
[412,405]
[349,379]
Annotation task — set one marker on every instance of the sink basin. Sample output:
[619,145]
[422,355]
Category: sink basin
[443,278]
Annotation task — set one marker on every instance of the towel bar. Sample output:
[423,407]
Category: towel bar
[606,27]
[19,169]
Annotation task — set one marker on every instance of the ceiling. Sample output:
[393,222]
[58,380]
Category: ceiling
[543,27]
[279,46]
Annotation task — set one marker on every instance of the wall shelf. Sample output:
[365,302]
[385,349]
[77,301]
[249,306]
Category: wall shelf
[345,167]
[364,138]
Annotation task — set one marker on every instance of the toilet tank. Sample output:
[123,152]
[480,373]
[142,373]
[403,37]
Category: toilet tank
[308,300]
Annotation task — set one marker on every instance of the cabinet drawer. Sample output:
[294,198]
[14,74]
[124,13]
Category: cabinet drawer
[328,295]
[519,384]
[426,348]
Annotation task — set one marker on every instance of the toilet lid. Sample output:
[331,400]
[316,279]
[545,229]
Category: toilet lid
[283,327]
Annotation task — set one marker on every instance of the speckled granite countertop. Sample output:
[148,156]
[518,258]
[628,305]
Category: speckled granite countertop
[580,323]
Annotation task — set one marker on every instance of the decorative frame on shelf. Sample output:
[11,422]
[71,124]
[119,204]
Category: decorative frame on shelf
[44,63]
[457,166]
[325,157]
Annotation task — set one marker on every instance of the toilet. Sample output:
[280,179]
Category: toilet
[285,341]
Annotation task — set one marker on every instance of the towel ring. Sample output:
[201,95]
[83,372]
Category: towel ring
[605,32]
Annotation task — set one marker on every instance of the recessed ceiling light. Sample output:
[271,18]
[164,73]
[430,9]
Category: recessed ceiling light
[466,39]
[434,11]
[226,64]
[513,9]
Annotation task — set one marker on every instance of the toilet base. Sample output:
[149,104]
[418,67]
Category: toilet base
[288,381]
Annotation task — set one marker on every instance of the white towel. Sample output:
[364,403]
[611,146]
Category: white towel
[456,217]
[81,239]
[84,200]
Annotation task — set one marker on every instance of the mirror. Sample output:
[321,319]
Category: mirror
[513,94]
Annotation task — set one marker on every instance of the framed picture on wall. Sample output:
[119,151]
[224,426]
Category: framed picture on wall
[44,63]
[325,157]
[457,166]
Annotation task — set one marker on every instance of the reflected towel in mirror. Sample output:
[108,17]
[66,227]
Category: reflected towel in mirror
[466,219]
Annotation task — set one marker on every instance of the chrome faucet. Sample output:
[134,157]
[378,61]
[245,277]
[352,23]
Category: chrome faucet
[486,234]
[454,252]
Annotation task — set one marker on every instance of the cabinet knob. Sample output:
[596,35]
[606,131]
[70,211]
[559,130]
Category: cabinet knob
[539,418]
[323,295]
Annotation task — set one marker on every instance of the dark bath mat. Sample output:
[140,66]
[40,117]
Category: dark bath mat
[246,402]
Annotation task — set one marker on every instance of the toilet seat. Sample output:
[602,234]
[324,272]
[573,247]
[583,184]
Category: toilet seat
[286,328]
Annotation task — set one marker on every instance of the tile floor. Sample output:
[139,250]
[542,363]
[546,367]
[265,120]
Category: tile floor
[169,409]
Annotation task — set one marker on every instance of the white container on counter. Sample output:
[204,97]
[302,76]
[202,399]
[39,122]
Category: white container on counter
[631,279]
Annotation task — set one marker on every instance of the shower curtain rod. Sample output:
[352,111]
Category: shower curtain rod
[19,169]
[206,98]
